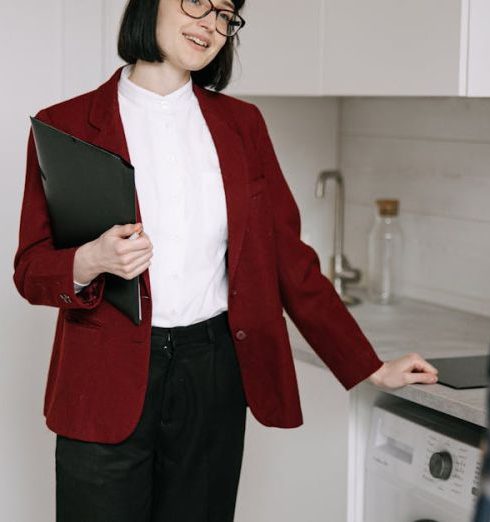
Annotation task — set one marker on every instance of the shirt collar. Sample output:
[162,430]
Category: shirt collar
[168,103]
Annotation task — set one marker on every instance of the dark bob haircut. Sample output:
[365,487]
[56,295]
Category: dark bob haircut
[137,41]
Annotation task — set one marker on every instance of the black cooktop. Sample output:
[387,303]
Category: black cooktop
[462,372]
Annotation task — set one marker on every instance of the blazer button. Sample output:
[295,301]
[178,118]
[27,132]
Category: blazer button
[66,298]
[234,292]
[240,335]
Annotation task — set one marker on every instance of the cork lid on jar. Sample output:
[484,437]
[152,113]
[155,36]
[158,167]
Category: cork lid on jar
[387,207]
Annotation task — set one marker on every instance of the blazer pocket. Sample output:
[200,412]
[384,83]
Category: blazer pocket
[79,320]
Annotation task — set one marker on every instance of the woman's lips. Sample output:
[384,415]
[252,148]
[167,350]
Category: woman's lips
[195,45]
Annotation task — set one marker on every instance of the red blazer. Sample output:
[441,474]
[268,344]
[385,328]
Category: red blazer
[99,364]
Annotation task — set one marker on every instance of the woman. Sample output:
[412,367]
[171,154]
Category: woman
[150,418]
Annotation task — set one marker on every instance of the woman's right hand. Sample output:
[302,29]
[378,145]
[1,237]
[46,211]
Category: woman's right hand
[112,252]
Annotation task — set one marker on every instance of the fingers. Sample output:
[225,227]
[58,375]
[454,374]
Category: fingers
[136,268]
[141,242]
[421,370]
[124,257]
[132,258]
[424,378]
[125,245]
[418,363]
[408,369]
[124,231]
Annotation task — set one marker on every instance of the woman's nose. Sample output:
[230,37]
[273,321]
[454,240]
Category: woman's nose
[209,21]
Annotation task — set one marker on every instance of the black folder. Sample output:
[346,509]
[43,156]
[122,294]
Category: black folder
[88,190]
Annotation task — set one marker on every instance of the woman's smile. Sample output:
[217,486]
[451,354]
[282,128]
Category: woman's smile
[196,42]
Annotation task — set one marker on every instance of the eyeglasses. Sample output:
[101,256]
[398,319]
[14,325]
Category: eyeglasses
[228,23]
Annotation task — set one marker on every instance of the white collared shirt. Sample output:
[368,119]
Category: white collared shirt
[182,201]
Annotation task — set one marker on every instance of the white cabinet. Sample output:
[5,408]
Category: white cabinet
[479,49]
[395,48]
[297,474]
[358,48]
[280,50]
[398,48]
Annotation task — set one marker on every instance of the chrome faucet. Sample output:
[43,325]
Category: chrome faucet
[340,272]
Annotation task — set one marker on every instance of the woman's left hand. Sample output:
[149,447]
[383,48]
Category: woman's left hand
[409,369]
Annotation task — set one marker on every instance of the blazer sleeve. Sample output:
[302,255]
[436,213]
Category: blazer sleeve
[309,298]
[42,274]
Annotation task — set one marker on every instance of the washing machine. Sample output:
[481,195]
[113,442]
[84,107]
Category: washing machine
[421,465]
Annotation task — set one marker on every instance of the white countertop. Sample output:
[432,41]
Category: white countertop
[428,329]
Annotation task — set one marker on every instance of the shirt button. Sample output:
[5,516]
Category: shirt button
[240,334]
[234,292]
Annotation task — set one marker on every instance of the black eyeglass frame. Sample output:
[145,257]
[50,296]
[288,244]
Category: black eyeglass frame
[218,11]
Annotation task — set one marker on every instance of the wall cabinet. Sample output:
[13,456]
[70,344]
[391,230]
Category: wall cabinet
[375,48]
[280,51]
[479,49]
[416,48]
[386,47]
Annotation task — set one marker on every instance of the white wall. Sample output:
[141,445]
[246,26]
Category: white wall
[434,155]
[51,51]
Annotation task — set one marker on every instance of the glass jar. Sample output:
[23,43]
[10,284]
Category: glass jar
[385,254]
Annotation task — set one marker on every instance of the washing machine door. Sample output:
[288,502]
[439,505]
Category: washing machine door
[387,500]
[425,507]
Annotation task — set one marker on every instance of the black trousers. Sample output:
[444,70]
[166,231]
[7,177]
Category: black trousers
[182,462]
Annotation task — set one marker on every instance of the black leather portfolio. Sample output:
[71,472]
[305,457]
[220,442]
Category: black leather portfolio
[88,190]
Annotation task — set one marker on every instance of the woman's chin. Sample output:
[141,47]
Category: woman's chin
[192,62]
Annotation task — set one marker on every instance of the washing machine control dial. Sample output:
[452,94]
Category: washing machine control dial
[441,465]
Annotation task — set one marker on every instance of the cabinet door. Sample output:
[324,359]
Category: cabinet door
[479,49]
[280,49]
[299,474]
[395,48]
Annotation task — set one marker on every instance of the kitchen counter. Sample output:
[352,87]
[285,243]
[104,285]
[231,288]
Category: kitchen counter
[429,329]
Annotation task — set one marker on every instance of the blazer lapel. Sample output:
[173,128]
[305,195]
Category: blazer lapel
[232,160]
[105,116]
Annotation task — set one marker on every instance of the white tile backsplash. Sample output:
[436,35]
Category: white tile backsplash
[434,155]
